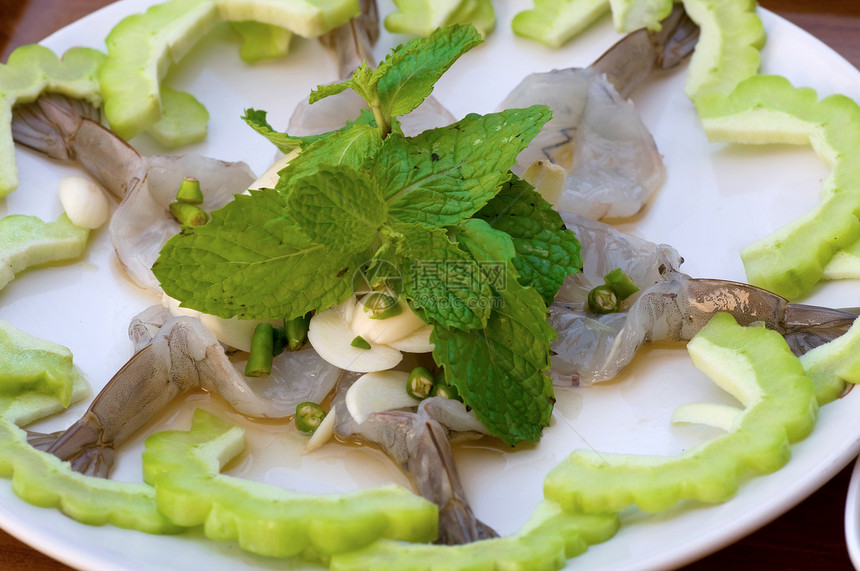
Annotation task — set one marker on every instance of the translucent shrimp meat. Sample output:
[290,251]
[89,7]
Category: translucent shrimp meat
[610,163]
[174,355]
[420,443]
[592,348]
[67,129]
[142,223]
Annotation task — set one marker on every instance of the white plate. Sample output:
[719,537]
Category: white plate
[852,516]
[716,200]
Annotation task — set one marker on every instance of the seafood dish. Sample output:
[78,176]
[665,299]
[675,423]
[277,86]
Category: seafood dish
[151,360]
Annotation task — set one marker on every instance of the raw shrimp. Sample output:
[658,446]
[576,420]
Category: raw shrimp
[420,442]
[67,129]
[174,355]
[670,306]
[352,44]
[596,140]
[604,249]
[142,223]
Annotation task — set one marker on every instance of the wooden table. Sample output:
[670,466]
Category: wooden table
[810,536]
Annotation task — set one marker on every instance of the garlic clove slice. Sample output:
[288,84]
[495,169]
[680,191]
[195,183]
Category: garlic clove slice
[377,392]
[331,336]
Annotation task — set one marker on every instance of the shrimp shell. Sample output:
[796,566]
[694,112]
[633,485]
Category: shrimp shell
[420,443]
[174,355]
[612,163]
[593,348]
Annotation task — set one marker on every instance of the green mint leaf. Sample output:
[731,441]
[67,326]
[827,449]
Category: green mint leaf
[364,84]
[361,82]
[508,394]
[252,261]
[286,143]
[329,89]
[441,280]
[256,119]
[492,248]
[503,377]
[443,176]
[337,206]
[349,147]
[547,252]
[407,75]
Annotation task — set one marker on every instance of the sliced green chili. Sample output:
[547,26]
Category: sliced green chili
[189,191]
[420,383]
[260,357]
[309,415]
[442,388]
[188,214]
[382,306]
[602,300]
[620,283]
[445,391]
[360,342]
[296,331]
[279,340]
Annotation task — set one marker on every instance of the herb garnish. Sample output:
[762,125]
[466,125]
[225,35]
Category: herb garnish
[366,194]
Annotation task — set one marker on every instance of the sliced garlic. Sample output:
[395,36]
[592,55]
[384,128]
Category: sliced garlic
[331,336]
[547,178]
[84,202]
[384,331]
[416,342]
[270,178]
[377,392]
[323,433]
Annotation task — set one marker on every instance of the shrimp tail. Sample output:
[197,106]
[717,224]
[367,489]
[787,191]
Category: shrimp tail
[676,39]
[147,382]
[632,59]
[68,130]
[808,326]
[458,525]
[422,448]
[82,445]
[804,327]
[457,522]
[352,43]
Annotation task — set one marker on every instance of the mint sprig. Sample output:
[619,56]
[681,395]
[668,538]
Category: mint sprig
[547,252]
[405,78]
[252,260]
[445,175]
[364,197]
[442,280]
[511,354]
